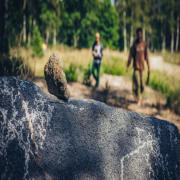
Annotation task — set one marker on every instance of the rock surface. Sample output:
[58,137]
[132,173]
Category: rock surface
[55,77]
[42,137]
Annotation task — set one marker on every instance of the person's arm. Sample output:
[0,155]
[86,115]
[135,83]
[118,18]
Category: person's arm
[130,57]
[101,52]
[93,52]
[147,58]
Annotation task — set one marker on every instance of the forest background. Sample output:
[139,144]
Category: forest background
[74,22]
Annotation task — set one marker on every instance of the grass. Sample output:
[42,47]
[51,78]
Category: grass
[115,66]
[73,61]
[169,86]
[78,63]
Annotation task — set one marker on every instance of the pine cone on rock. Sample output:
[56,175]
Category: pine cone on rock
[55,78]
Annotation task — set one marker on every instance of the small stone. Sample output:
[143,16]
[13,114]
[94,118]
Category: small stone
[56,78]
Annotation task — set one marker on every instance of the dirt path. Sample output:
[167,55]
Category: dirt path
[158,64]
[120,96]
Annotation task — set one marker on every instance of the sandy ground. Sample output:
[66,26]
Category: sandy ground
[120,96]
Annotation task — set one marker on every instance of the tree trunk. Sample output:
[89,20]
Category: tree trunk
[131,39]
[5,17]
[29,38]
[29,34]
[3,34]
[151,35]
[24,28]
[144,38]
[54,38]
[177,38]
[5,41]
[24,21]
[47,35]
[75,41]
[164,43]
[34,23]
[172,43]
[164,40]
[43,32]
[125,43]
[162,35]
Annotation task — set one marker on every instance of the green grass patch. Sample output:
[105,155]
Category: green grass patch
[169,86]
[115,66]
[71,72]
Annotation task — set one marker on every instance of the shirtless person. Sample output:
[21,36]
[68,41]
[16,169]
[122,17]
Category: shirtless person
[139,53]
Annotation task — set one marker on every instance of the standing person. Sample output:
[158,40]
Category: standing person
[44,48]
[139,53]
[97,51]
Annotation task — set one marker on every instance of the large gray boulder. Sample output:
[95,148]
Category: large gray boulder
[42,137]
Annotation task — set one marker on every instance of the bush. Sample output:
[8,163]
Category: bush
[14,65]
[87,76]
[71,73]
[36,42]
[106,92]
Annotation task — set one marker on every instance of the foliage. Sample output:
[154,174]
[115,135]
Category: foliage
[89,26]
[87,76]
[157,18]
[75,22]
[108,25]
[47,15]
[36,43]
[71,73]
[106,92]
[82,22]
[15,65]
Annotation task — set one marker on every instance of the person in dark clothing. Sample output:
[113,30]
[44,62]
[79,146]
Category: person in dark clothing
[139,53]
[97,51]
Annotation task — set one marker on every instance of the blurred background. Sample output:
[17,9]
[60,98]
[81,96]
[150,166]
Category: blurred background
[31,30]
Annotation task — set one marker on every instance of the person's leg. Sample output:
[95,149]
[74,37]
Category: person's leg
[142,76]
[93,71]
[142,82]
[98,74]
[95,67]
[137,85]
